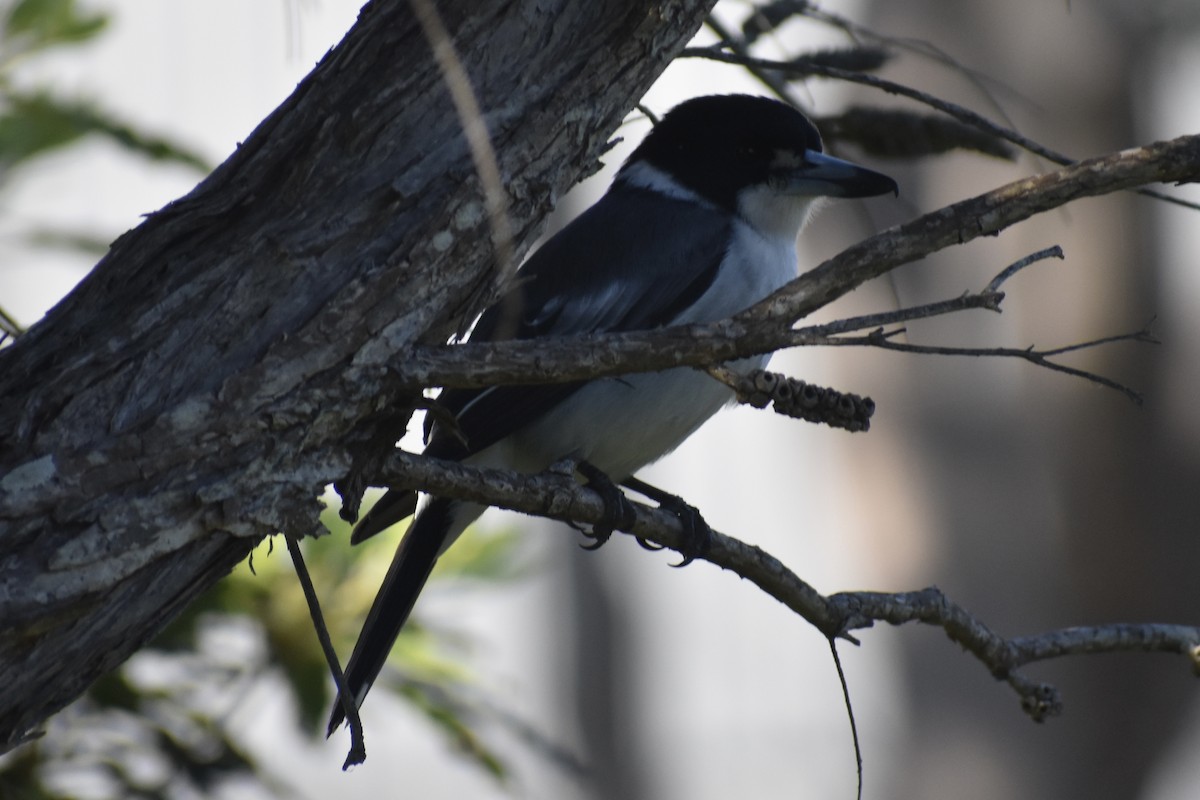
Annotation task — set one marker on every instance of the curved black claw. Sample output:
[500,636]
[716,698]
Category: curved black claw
[599,538]
[697,535]
[646,544]
[619,513]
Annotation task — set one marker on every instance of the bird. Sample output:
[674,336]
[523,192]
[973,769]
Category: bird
[700,222]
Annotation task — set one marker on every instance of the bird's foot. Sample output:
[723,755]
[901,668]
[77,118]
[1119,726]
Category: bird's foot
[619,513]
[697,535]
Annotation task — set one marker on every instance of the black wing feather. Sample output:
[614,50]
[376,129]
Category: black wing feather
[663,255]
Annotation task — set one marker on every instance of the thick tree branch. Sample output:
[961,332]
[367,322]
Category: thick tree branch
[561,497]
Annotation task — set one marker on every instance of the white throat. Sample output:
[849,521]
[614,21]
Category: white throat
[774,214]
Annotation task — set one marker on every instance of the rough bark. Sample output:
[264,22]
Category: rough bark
[225,360]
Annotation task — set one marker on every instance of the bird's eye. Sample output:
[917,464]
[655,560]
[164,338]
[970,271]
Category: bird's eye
[749,152]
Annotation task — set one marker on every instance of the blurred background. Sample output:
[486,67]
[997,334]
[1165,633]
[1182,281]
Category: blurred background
[537,670]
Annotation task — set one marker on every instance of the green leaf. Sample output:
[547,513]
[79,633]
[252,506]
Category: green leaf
[47,22]
[37,122]
[33,124]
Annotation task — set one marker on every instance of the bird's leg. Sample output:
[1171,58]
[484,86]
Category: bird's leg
[696,532]
[619,513]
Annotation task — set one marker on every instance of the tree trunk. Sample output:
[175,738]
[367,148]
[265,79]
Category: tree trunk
[226,360]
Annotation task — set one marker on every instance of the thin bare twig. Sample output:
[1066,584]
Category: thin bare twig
[817,334]
[884,341]
[833,333]
[9,327]
[1012,269]
[768,78]
[858,758]
[650,115]
[358,747]
[923,48]
[990,299]
[1144,335]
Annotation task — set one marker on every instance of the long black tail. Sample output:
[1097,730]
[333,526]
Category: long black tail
[410,569]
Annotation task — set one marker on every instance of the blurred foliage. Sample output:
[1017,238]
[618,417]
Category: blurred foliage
[160,725]
[36,120]
[898,133]
[38,24]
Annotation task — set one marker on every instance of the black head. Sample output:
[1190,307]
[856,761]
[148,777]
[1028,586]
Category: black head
[716,146]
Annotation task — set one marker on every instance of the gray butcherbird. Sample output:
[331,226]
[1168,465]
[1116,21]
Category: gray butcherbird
[699,223]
